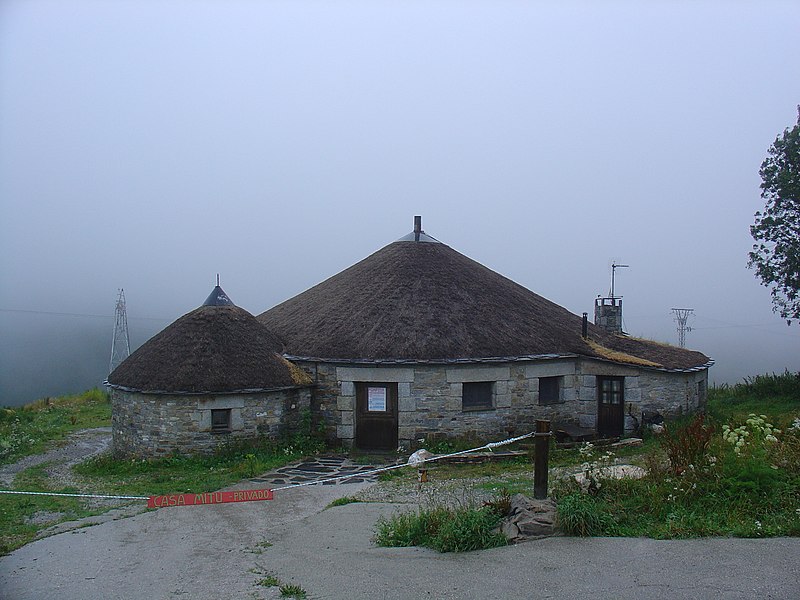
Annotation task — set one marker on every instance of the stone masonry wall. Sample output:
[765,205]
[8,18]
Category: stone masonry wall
[151,425]
[430,396]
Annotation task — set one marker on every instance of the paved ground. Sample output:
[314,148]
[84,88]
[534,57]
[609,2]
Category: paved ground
[222,551]
[320,468]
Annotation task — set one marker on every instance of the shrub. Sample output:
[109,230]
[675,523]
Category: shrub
[687,445]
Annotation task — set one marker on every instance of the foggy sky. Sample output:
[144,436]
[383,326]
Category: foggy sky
[151,145]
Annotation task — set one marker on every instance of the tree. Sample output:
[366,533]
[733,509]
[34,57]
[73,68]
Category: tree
[776,253]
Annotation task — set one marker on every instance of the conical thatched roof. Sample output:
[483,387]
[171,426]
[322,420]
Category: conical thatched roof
[216,348]
[423,301]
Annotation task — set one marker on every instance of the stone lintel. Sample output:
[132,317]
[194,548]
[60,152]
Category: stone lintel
[374,374]
[477,373]
[550,369]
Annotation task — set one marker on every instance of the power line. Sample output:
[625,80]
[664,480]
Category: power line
[63,314]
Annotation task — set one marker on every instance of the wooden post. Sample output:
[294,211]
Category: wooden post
[540,461]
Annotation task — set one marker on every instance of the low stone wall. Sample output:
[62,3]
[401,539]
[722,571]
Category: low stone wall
[148,425]
[430,396]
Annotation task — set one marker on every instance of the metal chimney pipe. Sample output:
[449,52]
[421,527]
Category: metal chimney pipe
[417,227]
[585,326]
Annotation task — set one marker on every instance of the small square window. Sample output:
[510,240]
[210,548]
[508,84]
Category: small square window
[221,420]
[549,390]
[477,395]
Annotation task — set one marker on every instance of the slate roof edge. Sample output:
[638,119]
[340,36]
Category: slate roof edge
[490,360]
[124,388]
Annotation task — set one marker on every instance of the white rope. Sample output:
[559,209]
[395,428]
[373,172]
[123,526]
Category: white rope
[74,495]
[489,446]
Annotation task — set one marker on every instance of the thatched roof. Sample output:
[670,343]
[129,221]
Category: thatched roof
[423,301]
[216,348]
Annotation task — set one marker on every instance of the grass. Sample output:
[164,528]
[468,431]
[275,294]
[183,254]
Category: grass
[287,590]
[460,529]
[698,484]
[30,429]
[16,512]
[194,474]
[343,501]
[292,591]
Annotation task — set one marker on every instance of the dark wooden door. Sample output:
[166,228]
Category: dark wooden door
[376,416]
[610,406]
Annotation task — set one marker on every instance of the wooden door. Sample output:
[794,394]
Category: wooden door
[376,416]
[610,406]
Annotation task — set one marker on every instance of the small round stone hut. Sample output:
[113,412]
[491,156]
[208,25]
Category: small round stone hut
[214,374]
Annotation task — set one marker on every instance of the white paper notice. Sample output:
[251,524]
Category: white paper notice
[376,399]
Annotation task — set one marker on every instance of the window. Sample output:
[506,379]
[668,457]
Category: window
[221,420]
[702,394]
[477,395]
[549,390]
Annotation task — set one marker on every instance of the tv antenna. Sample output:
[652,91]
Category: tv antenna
[681,316]
[120,344]
[614,267]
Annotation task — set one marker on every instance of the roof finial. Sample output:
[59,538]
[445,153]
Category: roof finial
[217,279]
[417,227]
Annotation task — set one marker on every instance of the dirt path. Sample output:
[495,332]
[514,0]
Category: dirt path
[76,448]
[59,461]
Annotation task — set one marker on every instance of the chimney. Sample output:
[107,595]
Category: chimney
[417,227]
[585,326]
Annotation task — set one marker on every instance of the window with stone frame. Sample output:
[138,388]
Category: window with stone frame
[549,390]
[477,395]
[221,420]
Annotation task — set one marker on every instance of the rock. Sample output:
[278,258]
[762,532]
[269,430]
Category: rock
[509,529]
[529,519]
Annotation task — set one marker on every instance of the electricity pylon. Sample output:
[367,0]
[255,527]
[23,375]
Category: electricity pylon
[120,344]
[681,316]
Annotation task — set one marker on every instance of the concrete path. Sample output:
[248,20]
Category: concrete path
[222,551]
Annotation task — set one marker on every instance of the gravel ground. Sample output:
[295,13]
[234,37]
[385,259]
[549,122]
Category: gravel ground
[434,492]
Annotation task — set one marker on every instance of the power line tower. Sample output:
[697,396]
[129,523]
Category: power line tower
[120,344]
[681,316]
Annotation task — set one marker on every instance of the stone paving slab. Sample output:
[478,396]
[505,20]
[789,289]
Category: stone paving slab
[319,468]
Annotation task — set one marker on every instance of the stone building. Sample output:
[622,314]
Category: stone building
[417,339]
[213,375]
[414,341]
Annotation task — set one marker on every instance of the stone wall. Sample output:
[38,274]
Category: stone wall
[149,425]
[430,396]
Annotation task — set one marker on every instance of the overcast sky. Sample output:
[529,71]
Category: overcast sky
[150,145]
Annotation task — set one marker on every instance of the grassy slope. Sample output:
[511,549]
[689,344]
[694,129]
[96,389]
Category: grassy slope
[32,428]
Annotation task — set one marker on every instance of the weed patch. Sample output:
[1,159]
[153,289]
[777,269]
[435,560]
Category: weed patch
[343,501]
[292,591]
[444,529]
